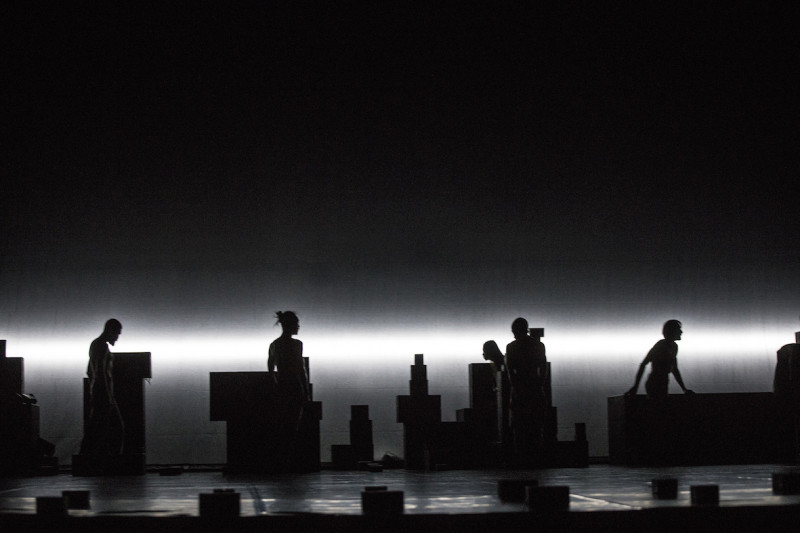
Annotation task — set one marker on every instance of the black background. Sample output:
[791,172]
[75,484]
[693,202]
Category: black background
[385,159]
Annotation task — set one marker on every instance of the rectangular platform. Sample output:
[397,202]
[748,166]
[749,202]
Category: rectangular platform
[699,429]
[259,436]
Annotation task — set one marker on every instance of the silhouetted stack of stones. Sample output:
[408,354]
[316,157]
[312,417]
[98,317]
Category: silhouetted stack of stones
[483,417]
[477,437]
[429,443]
[360,451]
[483,402]
[361,433]
[259,437]
[420,413]
[786,386]
[22,451]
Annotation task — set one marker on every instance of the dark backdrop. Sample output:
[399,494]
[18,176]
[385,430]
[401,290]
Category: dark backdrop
[400,175]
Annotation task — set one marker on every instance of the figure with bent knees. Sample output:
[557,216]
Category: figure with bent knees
[492,353]
[105,431]
[663,359]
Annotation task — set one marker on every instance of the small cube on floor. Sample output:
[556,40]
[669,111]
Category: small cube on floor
[547,498]
[704,494]
[665,488]
[513,490]
[376,502]
[786,482]
[51,505]
[220,503]
[76,499]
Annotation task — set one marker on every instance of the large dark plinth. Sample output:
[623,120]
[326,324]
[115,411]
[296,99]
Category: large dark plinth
[257,428]
[698,429]
[19,422]
[361,433]
[130,371]
[19,439]
[22,451]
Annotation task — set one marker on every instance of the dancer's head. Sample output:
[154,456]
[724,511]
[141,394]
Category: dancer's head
[491,352]
[112,330]
[519,327]
[288,321]
[672,330]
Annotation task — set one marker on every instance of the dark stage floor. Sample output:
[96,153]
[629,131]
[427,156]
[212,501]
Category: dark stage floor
[597,493]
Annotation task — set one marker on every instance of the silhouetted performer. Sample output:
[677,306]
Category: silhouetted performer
[786,383]
[526,366]
[492,353]
[663,358]
[286,354]
[501,387]
[105,430]
[786,386]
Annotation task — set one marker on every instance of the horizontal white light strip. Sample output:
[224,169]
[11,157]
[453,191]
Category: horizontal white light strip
[384,350]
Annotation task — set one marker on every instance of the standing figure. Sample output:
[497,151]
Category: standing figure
[286,355]
[786,386]
[526,366]
[501,387]
[105,430]
[492,353]
[663,358]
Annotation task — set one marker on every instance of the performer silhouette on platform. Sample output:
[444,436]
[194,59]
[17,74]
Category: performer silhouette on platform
[502,390]
[492,353]
[786,386]
[663,358]
[526,366]
[286,354]
[105,431]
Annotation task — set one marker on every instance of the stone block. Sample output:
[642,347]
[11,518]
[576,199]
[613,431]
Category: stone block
[786,482]
[51,505]
[665,488]
[704,494]
[382,502]
[547,498]
[222,503]
[76,499]
[513,490]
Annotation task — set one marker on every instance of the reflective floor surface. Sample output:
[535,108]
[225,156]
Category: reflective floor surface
[597,488]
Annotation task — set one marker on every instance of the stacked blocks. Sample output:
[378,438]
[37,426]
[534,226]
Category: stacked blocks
[22,451]
[419,413]
[343,457]
[361,433]
[259,437]
[479,436]
[483,405]
[360,452]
